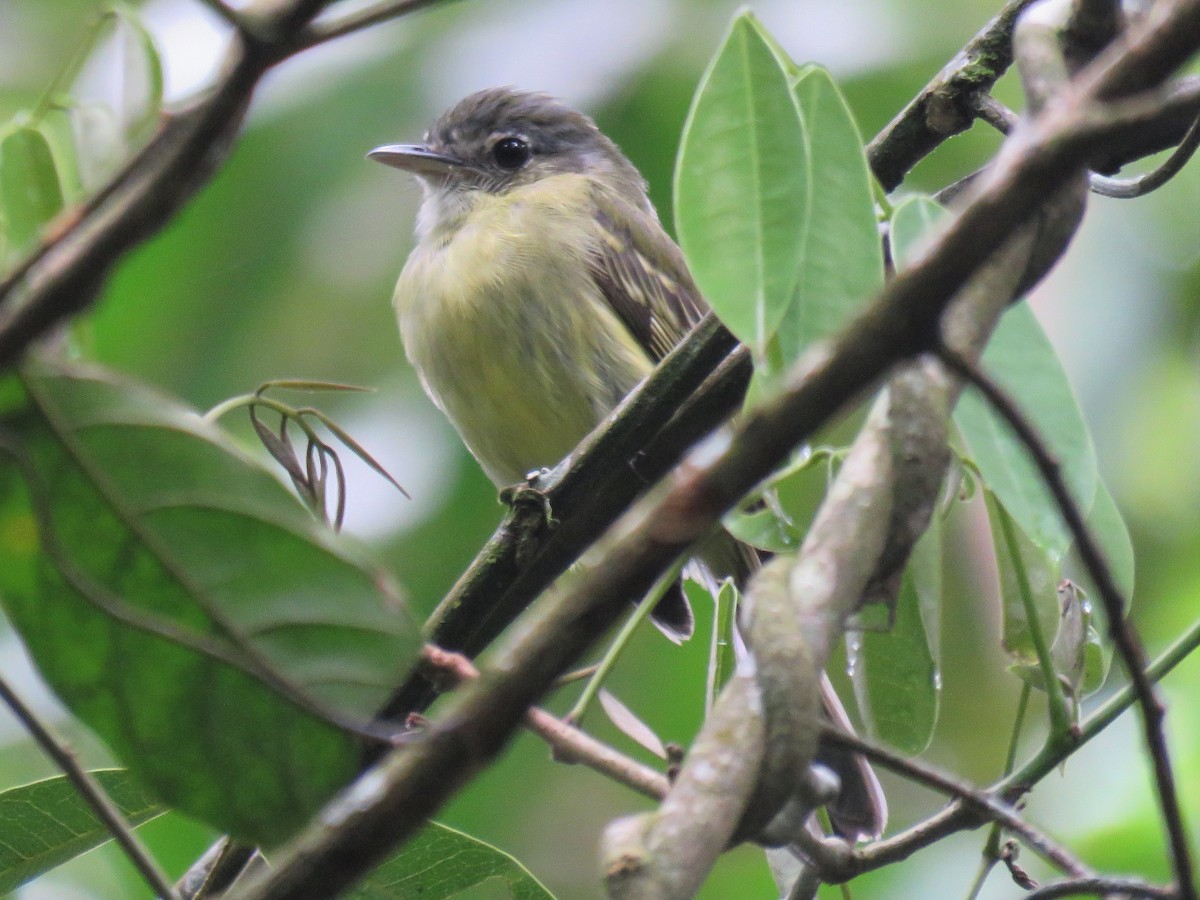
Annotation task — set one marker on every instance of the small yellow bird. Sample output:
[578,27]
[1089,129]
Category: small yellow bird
[541,290]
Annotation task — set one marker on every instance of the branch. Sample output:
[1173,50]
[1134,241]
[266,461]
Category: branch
[1153,180]
[570,744]
[957,817]
[1124,636]
[216,870]
[942,108]
[325,30]
[91,792]
[228,15]
[1103,887]
[976,802]
[522,558]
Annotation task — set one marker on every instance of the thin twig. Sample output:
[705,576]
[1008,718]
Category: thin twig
[976,801]
[220,866]
[322,31]
[1102,886]
[570,744]
[988,109]
[1128,189]
[226,13]
[1051,756]
[1124,635]
[956,818]
[91,792]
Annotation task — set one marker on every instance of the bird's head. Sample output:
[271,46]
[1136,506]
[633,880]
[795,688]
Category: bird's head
[498,140]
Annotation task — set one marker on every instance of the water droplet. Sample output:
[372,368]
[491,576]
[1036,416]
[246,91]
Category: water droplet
[937,679]
[853,651]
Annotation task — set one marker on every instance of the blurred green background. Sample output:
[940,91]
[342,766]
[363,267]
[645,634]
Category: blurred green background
[283,267]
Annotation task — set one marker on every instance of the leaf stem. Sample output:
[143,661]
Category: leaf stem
[1060,722]
[643,609]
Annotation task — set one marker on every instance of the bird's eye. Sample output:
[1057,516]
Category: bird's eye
[511,152]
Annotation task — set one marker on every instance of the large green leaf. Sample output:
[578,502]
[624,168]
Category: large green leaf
[896,674]
[841,255]
[441,862]
[185,605]
[44,824]
[741,185]
[1021,360]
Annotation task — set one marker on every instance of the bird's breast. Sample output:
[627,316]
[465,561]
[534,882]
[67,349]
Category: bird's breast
[508,332]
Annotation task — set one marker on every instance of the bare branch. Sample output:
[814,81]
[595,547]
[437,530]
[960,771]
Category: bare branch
[216,870]
[226,13]
[570,744]
[1103,887]
[324,30]
[977,803]
[957,817]
[1128,189]
[941,109]
[987,108]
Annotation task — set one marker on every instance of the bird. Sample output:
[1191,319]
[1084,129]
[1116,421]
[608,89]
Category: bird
[541,289]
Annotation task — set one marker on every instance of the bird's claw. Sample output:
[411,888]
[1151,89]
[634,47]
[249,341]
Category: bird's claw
[530,493]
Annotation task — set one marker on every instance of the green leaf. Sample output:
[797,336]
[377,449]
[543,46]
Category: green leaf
[914,220]
[100,148]
[841,254]
[1029,578]
[30,192]
[630,724]
[184,605]
[722,660]
[896,675]
[44,824]
[1096,661]
[1022,361]
[788,500]
[441,862]
[741,185]
[141,75]
[1079,656]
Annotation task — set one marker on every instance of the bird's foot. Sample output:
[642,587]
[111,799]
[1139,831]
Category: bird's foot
[532,492]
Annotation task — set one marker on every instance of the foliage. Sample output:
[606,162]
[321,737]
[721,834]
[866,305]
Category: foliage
[178,599]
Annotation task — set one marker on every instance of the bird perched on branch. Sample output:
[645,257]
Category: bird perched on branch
[541,290]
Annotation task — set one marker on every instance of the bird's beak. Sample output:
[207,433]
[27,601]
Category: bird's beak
[416,159]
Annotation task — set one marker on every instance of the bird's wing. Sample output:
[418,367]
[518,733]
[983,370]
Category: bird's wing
[652,292]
